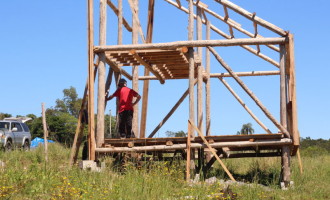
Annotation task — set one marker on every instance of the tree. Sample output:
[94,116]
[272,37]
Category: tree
[4,115]
[246,129]
[176,134]
[70,102]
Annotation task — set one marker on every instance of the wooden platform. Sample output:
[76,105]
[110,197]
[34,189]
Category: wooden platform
[169,64]
[228,146]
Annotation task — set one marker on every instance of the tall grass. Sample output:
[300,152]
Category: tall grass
[26,175]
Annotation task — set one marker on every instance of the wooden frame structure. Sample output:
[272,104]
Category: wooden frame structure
[184,60]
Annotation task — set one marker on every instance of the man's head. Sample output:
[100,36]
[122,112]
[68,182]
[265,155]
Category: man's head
[122,82]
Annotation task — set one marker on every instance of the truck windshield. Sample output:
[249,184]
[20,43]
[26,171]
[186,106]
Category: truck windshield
[4,125]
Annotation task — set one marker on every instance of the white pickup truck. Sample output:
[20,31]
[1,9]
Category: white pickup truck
[14,133]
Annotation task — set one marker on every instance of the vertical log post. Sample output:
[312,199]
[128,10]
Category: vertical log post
[145,95]
[207,85]
[200,72]
[135,70]
[101,77]
[191,85]
[91,130]
[44,124]
[286,152]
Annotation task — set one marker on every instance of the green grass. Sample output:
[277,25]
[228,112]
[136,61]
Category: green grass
[26,175]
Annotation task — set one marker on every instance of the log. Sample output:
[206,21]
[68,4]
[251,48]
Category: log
[250,16]
[245,106]
[207,84]
[250,93]
[193,43]
[118,69]
[101,77]
[117,12]
[216,145]
[120,20]
[44,125]
[286,172]
[136,21]
[292,87]
[91,135]
[135,70]
[250,49]
[283,92]
[200,70]
[145,94]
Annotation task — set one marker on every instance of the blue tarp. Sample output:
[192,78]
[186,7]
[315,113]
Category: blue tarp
[36,141]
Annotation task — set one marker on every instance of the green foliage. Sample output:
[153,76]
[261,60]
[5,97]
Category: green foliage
[308,142]
[70,103]
[176,134]
[4,115]
[246,129]
[26,175]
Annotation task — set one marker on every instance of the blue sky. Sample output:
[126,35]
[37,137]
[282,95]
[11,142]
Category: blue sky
[44,50]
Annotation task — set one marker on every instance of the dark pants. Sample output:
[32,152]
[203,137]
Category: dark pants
[125,124]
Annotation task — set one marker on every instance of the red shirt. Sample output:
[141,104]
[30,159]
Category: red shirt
[125,96]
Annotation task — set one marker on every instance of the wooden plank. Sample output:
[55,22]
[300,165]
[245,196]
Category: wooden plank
[250,93]
[117,12]
[192,43]
[147,65]
[91,135]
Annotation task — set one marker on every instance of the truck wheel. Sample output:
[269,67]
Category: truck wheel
[9,146]
[26,146]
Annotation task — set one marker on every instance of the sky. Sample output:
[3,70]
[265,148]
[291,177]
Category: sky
[43,50]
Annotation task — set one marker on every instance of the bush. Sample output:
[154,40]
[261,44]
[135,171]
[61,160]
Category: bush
[313,151]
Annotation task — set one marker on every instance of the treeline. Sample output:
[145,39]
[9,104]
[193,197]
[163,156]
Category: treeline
[61,119]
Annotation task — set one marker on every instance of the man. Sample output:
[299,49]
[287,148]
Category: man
[125,110]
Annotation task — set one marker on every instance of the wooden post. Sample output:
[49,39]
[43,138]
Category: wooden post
[80,126]
[44,124]
[188,152]
[101,77]
[286,173]
[120,22]
[208,84]
[91,130]
[145,95]
[191,63]
[292,88]
[135,70]
[200,72]
[283,92]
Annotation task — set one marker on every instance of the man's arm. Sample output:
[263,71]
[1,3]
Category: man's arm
[109,98]
[138,97]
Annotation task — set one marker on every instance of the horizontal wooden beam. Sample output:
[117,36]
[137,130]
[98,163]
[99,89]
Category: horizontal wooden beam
[194,43]
[278,142]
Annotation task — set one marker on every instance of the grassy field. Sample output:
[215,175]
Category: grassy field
[26,175]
